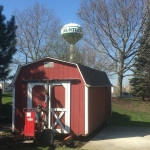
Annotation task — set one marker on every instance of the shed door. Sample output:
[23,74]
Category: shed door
[59,103]
[60,107]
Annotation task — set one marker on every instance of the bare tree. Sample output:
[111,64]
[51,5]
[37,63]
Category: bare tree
[96,60]
[113,27]
[37,32]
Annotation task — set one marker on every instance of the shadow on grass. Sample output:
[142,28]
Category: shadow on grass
[132,99]
[7,95]
[7,112]
[125,120]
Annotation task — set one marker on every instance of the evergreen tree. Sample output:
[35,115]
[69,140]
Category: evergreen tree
[141,81]
[7,44]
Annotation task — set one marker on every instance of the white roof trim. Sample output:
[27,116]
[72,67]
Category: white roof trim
[97,86]
[14,79]
[49,58]
[80,73]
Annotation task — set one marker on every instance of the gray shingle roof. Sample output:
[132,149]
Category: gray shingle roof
[94,77]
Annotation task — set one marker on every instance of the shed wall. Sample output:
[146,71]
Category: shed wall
[20,103]
[99,106]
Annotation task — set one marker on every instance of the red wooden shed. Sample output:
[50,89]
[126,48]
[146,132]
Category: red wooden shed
[79,101]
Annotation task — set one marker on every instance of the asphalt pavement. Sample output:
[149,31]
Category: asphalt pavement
[120,138]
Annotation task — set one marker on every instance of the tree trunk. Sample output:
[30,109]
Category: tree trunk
[143,98]
[119,86]
[120,77]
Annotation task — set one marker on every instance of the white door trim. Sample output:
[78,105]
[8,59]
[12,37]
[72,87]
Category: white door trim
[65,110]
[29,97]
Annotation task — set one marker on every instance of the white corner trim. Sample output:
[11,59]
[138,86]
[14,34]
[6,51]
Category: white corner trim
[86,111]
[67,93]
[111,100]
[13,109]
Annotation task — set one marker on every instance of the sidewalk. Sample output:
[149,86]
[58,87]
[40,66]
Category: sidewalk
[120,138]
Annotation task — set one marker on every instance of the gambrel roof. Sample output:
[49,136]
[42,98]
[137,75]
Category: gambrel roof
[91,77]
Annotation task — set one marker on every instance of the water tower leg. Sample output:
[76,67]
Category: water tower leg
[71,52]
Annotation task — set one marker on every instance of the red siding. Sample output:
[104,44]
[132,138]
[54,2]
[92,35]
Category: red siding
[61,70]
[99,106]
[58,96]
[38,96]
[20,103]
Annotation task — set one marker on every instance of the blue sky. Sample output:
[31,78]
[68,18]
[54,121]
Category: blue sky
[66,10]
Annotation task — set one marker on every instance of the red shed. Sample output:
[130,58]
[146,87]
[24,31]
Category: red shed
[79,101]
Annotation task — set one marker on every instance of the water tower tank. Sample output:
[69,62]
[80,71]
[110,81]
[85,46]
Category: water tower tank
[72,33]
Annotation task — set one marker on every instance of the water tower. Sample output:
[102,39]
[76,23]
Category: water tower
[72,33]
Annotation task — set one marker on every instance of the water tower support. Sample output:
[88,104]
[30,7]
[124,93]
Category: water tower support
[71,52]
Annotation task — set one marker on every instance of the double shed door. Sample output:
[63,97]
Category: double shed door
[59,103]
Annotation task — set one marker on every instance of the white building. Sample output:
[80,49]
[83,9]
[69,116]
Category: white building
[113,91]
[6,88]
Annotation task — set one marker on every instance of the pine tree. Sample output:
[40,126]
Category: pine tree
[7,44]
[141,81]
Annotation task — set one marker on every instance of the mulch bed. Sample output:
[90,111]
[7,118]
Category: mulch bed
[78,141]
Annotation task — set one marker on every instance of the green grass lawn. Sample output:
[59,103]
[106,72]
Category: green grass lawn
[7,104]
[130,112]
[7,98]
